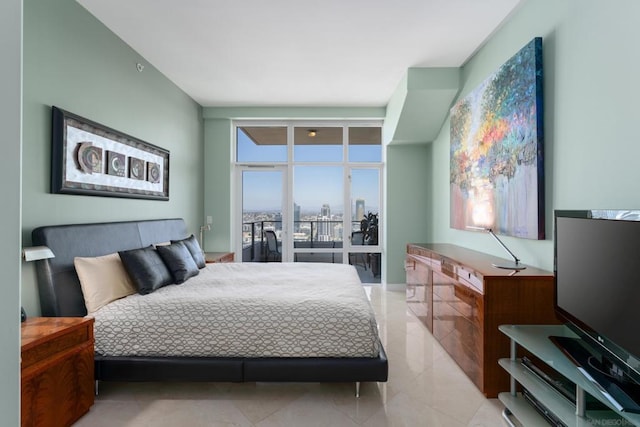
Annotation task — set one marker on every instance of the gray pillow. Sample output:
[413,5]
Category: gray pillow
[146,269]
[178,259]
[194,248]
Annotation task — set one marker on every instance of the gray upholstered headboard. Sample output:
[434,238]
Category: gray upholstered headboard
[58,284]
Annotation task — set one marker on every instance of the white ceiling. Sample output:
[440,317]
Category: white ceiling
[298,52]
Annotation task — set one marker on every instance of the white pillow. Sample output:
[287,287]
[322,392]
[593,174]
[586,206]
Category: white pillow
[103,279]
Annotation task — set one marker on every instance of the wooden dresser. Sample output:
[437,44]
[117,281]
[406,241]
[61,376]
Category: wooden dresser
[56,370]
[462,299]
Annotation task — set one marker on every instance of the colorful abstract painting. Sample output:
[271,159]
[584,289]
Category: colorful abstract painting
[496,151]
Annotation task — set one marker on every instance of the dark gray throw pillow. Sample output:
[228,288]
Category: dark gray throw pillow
[194,248]
[146,269]
[178,259]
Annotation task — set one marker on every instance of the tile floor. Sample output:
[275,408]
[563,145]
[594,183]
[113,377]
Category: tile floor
[425,388]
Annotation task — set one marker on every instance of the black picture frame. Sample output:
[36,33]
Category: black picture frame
[91,159]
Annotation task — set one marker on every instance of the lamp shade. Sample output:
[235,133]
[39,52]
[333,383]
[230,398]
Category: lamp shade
[35,253]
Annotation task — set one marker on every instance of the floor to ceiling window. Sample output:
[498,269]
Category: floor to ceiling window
[310,192]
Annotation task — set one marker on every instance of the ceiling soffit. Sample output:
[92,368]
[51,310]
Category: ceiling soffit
[421,104]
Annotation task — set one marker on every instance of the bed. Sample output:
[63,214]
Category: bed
[61,295]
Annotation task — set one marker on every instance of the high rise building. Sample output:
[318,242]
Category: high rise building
[296,218]
[278,221]
[324,229]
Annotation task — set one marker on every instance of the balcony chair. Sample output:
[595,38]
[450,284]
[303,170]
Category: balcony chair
[272,246]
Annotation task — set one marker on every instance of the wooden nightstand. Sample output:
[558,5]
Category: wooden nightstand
[56,370]
[211,257]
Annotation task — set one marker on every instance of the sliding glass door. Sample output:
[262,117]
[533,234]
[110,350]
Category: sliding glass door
[261,175]
[262,213]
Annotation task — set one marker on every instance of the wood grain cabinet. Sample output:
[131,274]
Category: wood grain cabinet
[462,299]
[57,370]
[213,257]
[419,290]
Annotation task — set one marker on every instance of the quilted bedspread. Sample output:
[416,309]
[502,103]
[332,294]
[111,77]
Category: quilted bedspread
[245,310]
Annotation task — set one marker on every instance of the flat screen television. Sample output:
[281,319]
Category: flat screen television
[597,277]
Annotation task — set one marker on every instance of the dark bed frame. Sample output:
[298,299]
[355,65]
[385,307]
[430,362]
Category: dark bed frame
[61,295]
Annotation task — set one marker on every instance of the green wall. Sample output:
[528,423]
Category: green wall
[218,183]
[591,90]
[10,123]
[74,62]
[408,204]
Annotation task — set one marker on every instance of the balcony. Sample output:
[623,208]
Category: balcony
[326,236]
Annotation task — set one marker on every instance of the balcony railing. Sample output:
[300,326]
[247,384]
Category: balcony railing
[316,231]
[307,234]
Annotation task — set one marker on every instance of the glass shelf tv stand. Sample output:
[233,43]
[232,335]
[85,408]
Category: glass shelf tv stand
[525,382]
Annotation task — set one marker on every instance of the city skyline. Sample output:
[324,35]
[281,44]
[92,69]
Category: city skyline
[313,212]
[262,192]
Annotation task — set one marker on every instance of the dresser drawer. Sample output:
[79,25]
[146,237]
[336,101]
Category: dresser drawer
[48,349]
[57,370]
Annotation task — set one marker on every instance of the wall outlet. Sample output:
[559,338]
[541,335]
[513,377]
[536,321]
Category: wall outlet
[209,219]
